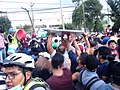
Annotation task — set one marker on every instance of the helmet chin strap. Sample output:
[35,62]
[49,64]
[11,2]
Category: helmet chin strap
[25,80]
[24,73]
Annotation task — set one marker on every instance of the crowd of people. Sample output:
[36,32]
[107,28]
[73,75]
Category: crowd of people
[86,62]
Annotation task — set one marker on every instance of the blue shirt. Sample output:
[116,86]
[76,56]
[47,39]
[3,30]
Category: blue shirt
[102,70]
[73,58]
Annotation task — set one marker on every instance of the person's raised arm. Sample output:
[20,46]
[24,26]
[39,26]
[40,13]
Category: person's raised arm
[87,43]
[76,45]
[49,44]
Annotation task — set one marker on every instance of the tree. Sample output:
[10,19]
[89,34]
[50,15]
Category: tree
[98,26]
[91,9]
[77,2]
[5,23]
[115,13]
[77,17]
[25,27]
[67,26]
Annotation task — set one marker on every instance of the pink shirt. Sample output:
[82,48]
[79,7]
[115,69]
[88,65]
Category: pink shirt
[2,41]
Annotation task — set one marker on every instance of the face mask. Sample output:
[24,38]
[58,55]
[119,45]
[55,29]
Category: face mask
[18,87]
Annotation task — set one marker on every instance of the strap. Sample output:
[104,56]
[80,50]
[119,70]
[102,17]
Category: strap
[91,83]
[80,79]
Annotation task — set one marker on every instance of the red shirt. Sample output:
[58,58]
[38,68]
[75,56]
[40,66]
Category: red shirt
[63,82]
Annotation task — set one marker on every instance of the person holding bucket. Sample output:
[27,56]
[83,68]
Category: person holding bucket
[12,40]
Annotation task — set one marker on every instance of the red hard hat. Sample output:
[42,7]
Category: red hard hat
[34,35]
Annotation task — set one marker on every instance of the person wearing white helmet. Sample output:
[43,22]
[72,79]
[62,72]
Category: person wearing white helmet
[18,71]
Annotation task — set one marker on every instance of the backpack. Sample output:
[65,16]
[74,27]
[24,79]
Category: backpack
[36,82]
[79,85]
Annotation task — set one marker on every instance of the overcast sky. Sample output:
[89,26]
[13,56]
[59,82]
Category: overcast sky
[47,16]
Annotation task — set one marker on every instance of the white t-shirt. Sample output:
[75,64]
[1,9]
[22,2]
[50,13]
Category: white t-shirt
[66,56]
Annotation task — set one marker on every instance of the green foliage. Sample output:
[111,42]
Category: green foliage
[25,27]
[98,26]
[69,26]
[115,16]
[91,9]
[5,23]
[75,1]
[77,17]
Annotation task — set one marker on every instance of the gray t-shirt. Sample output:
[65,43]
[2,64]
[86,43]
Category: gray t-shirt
[87,75]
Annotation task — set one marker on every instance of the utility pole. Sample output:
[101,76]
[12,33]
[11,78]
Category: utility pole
[32,16]
[29,17]
[83,16]
[108,15]
[62,15]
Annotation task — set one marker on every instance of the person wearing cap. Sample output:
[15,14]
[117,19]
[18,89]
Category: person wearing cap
[105,41]
[113,47]
[43,66]
[18,71]
[44,61]
[35,47]
[12,41]
[33,38]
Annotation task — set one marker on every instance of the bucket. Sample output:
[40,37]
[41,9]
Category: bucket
[21,34]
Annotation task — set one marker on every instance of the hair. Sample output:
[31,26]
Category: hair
[111,57]
[111,41]
[44,73]
[93,43]
[91,62]
[59,50]
[83,57]
[104,52]
[112,33]
[57,60]
[118,42]
[1,29]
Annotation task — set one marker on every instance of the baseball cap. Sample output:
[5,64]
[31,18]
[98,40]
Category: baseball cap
[45,55]
[105,40]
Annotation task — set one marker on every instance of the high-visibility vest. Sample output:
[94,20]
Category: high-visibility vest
[14,41]
[37,82]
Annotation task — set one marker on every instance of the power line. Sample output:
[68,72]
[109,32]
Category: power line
[53,12]
[49,12]
[40,9]
[38,19]
[32,2]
